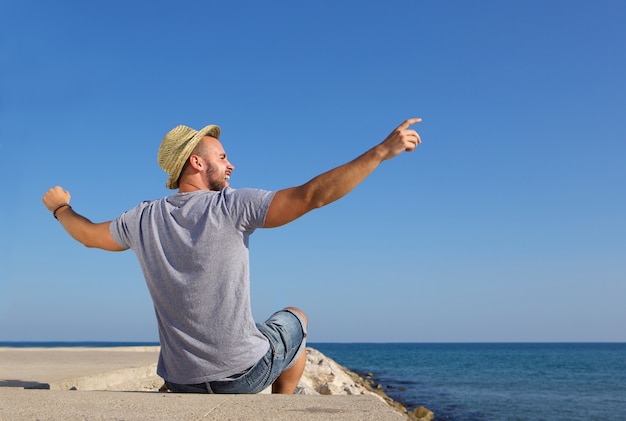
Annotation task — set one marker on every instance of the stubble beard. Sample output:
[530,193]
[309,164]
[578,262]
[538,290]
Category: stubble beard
[213,181]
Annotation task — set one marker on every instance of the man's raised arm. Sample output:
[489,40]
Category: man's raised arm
[80,228]
[290,204]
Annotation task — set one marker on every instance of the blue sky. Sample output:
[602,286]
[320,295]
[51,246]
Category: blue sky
[507,224]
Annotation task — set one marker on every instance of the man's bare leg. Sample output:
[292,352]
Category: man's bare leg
[287,382]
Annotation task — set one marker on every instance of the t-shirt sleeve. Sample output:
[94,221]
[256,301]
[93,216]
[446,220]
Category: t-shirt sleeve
[250,206]
[120,227]
[119,231]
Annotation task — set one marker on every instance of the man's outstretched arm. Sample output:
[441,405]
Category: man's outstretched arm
[290,204]
[80,228]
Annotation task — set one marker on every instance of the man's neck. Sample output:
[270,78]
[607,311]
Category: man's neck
[187,187]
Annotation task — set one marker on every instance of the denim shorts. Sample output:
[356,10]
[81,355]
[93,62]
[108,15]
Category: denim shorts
[286,333]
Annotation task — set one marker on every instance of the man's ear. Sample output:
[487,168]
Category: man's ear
[196,162]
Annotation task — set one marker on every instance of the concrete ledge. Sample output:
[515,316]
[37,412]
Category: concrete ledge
[77,368]
[121,383]
[21,404]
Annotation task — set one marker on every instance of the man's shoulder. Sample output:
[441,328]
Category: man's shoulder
[244,192]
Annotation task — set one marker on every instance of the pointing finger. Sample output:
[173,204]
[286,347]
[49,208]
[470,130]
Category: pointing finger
[408,123]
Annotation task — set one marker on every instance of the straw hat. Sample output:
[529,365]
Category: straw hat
[176,148]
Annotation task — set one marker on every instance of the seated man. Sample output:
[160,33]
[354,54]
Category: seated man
[193,249]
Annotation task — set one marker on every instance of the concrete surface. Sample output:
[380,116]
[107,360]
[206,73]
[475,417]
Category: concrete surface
[76,368]
[78,384]
[21,404]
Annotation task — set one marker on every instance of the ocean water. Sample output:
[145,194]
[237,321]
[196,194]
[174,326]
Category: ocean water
[481,382]
[503,381]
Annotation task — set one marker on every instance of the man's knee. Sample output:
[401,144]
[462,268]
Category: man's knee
[300,312]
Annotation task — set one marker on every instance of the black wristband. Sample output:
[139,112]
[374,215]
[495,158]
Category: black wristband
[54,212]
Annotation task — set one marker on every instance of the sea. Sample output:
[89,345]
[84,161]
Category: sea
[481,381]
[496,381]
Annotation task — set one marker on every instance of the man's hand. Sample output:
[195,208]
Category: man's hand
[55,197]
[401,139]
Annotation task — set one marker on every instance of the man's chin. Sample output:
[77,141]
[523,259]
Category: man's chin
[219,188]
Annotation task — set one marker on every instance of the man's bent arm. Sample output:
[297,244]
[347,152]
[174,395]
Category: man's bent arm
[80,228]
[290,204]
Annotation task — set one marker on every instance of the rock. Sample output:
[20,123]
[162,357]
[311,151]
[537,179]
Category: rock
[324,376]
[324,389]
[423,414]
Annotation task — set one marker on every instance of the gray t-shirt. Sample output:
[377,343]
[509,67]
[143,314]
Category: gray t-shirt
[193,250]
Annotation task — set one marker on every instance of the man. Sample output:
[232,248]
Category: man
[193,250]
